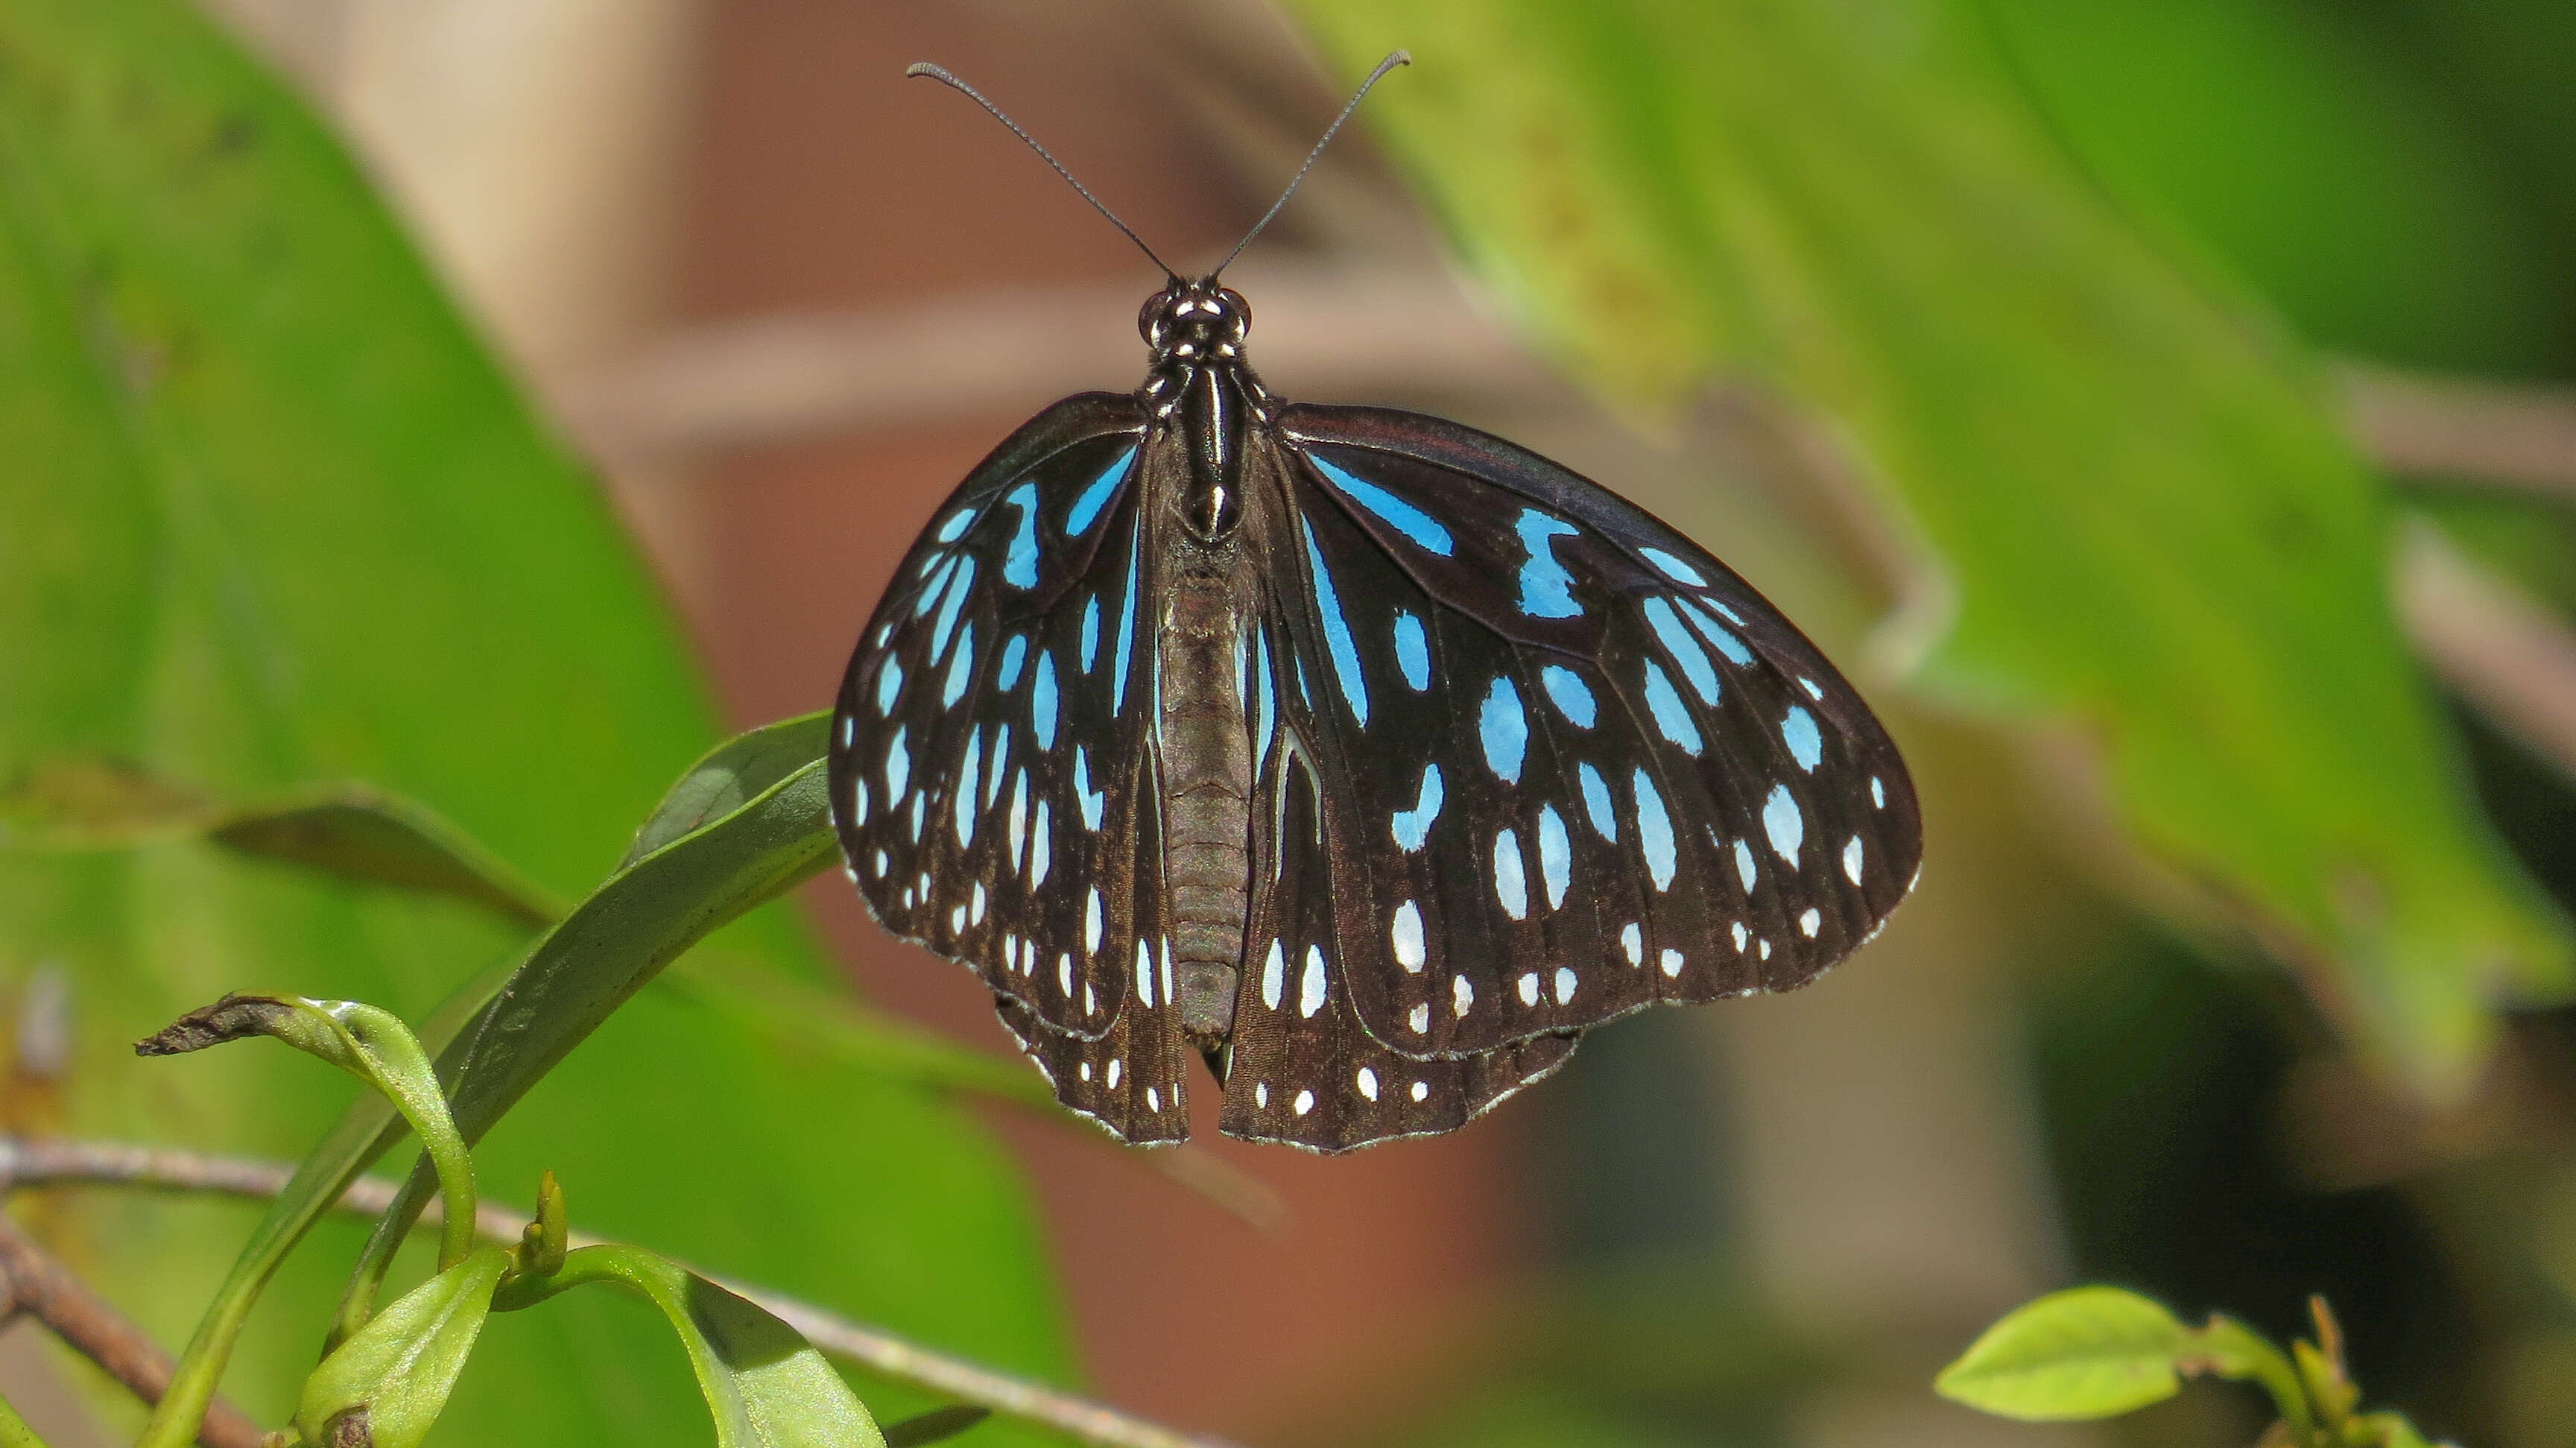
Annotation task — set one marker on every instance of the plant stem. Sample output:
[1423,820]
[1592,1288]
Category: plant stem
[41,1286]
[54,1162]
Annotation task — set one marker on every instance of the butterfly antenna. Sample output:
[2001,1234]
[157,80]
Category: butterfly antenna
[945,77]
[1393,59]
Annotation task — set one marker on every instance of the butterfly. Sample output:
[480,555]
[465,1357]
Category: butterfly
[1363,756]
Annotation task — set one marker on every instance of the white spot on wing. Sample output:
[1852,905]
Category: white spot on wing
[1406,932]
[1310,989]
[1529,988]
[1633,941]
[1367,1080]
[1672,963]
[1461,995]
[1274,976]
[1419,1018]
[1851,859]
[1565,984]
[1305,1102]
[1811,922]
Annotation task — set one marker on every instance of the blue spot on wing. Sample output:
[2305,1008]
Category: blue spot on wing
[960,669]
[1654,832]
[1266,706]
[1674,568]
[955,524]
[1014,654]
[1413,826]
[1337,632]
[1086,509]
[1504,727]
[1020,565]
[1555,855]
[1042,702]
[1573,696]
[937,588]
[1412,651]
[1598,804]
[1090,632]
[1806,746]
[1092,800]
[1546,588]
[1672,717]
[1415,524]
[1784,823]
[889,683]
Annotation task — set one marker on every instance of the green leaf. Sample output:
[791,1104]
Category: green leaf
[2229,1349]
[765,1384]
[2142,512]
[273,517]
[370,1044]
[2087,1352]
[937,1426]
[350,831]
[399,1370]
[731,775]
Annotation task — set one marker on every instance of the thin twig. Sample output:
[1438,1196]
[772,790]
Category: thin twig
[46,1162]
[2492,433]
[2505,651]
[39,1285]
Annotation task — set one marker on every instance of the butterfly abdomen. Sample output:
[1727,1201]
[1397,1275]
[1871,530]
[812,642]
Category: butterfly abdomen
[1206,752]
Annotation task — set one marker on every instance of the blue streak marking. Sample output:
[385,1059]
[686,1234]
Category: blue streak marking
[937,588]
[1395,512]
[1546,588]
[1042,702]
[1412,651]
[1573,696]
[960,584]
[1679,642]
[1020,565]
[1014,654]
[960,668]
[1090,799]
[1413,826]
[1674,568]
[956,523]
[1511,886]
[1126,629]
[966,782]
[1654,832]
[1806,746]
[1725,643]
[1267,706]
[1337,632]
[1086,509]
[1744,870]
[1090,631]
[1598,803]
[1504,726]
[1784,823]
[1555,855]
[1672,717]
[889,684]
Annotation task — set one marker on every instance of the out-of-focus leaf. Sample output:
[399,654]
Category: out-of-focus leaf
[2088,1352]
[351,831]
[936,1426]
[765,1384]
[399,1368]
[2144,513]
[273,517]
[14,1432]
[742,767]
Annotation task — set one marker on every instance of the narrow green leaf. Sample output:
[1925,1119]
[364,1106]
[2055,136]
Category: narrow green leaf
[399,1369]
[936,1426]
[2087,1352]
[350,831]
[730,776]
[2143,513]
[766,1386]
[370,1044]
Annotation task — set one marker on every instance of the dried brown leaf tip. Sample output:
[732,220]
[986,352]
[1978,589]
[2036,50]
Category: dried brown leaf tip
[229,1019]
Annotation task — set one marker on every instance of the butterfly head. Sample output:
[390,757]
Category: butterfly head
[1195,323]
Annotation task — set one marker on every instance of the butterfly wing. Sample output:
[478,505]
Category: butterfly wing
[1567,763]
[989,751]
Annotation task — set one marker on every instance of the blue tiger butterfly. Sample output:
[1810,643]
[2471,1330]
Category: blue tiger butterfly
[1364,756]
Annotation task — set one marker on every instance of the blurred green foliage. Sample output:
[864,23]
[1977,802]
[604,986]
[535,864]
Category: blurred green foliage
[2142,515]
[276,518]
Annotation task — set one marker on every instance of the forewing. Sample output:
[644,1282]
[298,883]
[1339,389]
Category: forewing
[1569,763]
[989,764]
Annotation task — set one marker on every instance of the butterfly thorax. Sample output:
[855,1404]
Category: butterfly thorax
[1201,388]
